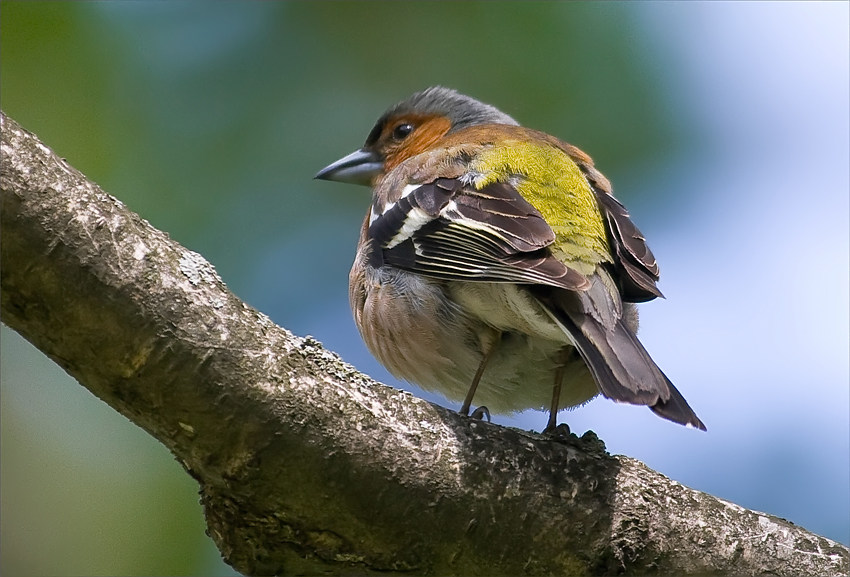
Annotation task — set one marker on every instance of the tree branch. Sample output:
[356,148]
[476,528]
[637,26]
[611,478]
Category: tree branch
[306,465]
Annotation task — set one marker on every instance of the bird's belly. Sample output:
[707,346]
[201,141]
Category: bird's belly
[509,308]
[431,334]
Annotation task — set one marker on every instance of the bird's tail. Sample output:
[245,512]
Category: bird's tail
[619,363]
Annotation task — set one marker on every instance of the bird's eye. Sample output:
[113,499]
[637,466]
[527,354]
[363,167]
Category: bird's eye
[401,131]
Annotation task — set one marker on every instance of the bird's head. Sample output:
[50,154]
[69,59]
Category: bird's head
[409,128]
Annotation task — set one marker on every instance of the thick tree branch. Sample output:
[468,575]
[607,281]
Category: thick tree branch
[307,466]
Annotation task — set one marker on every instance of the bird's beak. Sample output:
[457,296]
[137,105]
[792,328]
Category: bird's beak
[359,167]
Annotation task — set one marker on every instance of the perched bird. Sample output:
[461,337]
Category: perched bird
[495,264]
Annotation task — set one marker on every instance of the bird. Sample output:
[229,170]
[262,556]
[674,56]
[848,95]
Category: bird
[495,265]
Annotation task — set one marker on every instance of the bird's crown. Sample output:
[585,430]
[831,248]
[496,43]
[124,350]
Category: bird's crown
[460,110]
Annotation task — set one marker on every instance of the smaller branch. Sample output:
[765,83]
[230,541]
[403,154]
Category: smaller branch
[306,465]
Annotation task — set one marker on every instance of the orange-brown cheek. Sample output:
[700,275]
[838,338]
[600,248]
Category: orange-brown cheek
[420,140]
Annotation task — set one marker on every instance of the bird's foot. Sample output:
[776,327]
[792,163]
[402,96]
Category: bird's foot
[561,431]
[480,413]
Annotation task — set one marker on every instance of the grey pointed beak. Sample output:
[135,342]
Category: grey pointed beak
[359,167]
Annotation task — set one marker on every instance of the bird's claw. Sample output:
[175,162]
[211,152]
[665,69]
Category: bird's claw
[480,413]
[561,431]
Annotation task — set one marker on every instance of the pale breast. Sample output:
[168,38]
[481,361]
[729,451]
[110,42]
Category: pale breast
[432,336]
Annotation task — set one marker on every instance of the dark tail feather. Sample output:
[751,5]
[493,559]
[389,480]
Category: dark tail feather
[622,368]
[677,409]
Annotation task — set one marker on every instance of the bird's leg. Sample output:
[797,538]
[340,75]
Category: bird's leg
[551,427]
[488,349]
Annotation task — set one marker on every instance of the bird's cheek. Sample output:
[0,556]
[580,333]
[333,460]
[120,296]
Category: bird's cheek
[428,133]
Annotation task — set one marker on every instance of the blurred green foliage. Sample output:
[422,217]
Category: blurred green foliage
[202,117]
[209,120]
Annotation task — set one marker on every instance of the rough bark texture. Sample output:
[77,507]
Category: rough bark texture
[306,466]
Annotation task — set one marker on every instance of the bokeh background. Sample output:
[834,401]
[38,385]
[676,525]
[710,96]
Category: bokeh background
[723,126]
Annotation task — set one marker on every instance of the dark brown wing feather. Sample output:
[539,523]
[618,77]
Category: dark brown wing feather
[635,267]
[500,206]
[449,230]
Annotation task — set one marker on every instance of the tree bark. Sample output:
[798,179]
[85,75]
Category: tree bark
[307,466]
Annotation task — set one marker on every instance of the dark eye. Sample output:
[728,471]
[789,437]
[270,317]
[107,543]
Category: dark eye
[401,131]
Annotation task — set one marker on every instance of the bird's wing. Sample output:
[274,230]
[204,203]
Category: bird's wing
[635,263]
[636,268]
[449,230]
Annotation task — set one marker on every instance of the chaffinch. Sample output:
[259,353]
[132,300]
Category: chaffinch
[494,262]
